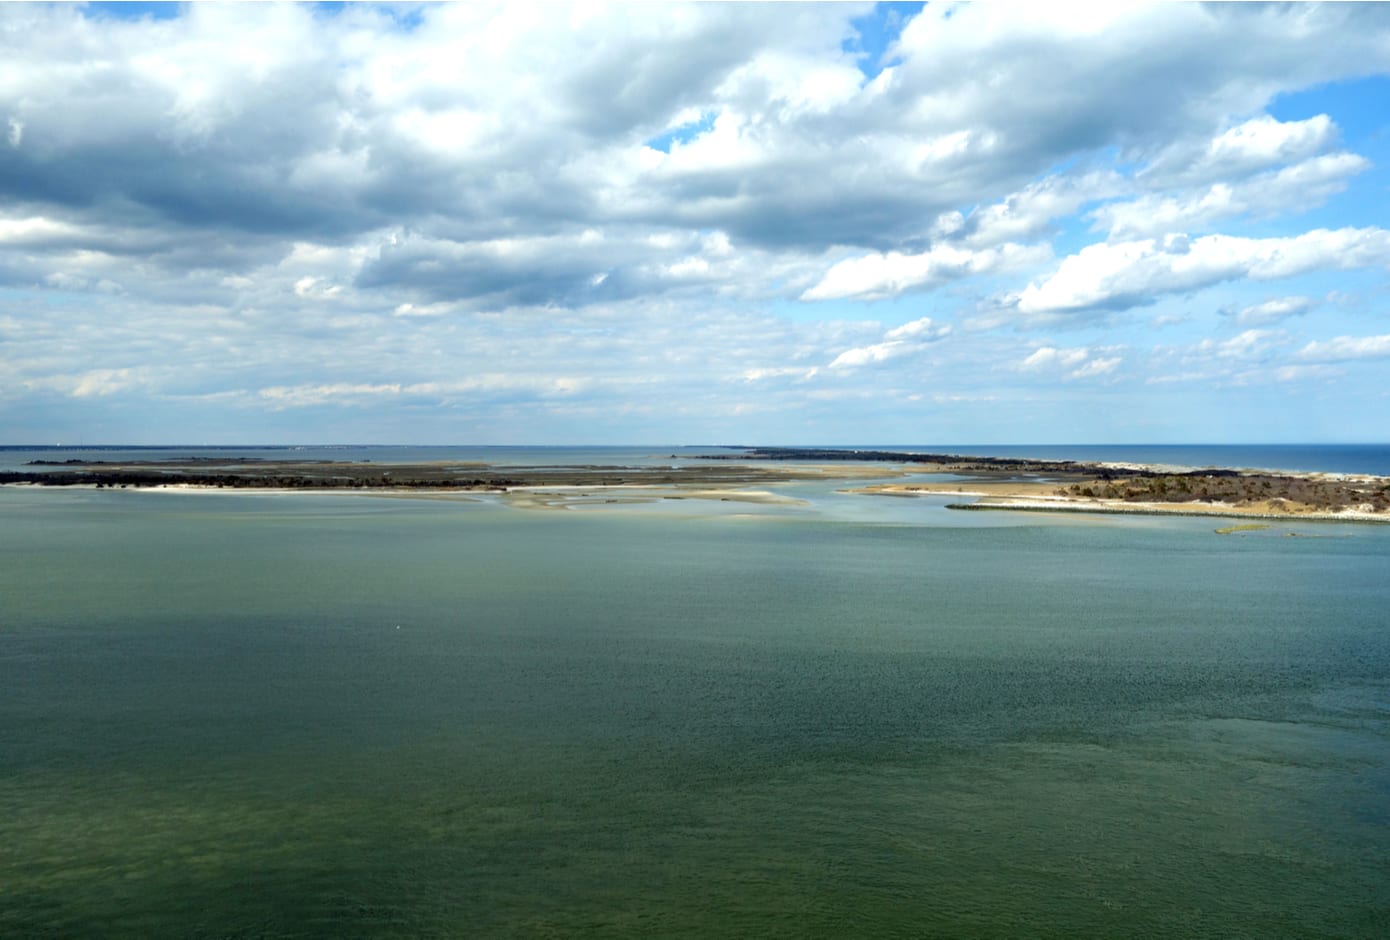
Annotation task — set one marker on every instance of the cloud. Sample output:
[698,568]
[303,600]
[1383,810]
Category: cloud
[1264,141]
[339,393]
[875,276]
[1300,373]
[1117,275]
[868,355]
[322,125]
[530,217]
[102,382]
[1251,357]
[759,375]
[1270,311]
[1031,211]
[1096,367]
[1048,357]
[1291,189]
[1240,151]
[500,272]
[1129,74]
[1073,363]
[1247,345]
[1347,348]
[898,342]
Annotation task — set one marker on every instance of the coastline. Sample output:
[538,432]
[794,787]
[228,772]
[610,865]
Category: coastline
[1181,509]
[1027,485]
[1044,497]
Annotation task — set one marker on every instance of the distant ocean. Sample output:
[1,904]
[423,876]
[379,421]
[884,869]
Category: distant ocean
[1325,458]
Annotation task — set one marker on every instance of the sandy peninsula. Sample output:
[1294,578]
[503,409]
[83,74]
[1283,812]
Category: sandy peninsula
[1247,494]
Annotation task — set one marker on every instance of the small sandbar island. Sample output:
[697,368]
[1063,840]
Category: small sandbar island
[752,475]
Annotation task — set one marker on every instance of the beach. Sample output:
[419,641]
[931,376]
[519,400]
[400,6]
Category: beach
[1048,497]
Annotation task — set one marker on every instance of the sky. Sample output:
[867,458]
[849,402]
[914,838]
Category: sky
[694,224]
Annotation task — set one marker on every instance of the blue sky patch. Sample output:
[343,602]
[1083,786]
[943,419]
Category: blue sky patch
[876,33]
[135,10]
[683,134]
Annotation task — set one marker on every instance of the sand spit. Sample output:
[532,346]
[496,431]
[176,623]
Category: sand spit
[1358,500]
[579,497]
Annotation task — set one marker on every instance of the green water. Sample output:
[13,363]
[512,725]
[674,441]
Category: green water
[247,715]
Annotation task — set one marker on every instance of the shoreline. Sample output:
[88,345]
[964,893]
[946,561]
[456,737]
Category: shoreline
[1041,497]
[1187,510]
[994,483]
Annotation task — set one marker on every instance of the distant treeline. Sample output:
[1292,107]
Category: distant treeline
[126,478]
[956,462]
[1010,464]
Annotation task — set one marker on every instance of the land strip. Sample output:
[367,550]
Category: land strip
[252,473]
[993,482]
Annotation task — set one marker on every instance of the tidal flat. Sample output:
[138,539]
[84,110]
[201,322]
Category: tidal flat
[313,714]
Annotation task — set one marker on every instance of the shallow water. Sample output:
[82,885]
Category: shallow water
[319,715]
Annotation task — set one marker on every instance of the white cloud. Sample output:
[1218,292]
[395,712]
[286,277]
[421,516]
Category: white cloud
[758,375]
[1344,348]
[1126,274]
[483,192]
[1029,212]
[1270,311]
[338,393]
[19,231]
[900,341]
[876,276]
[103,382]
[1252,357]
[1239,151]
[923,328]
[423,310]
[1096,367]
[1299,373]
[1247,345]
[1291,189]
[1264,141]
[866,355]
[1078,362]
[1045,357]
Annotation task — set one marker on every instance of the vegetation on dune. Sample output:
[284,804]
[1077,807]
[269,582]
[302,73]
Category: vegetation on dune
[1273,491]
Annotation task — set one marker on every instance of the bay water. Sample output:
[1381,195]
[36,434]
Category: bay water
[302,715]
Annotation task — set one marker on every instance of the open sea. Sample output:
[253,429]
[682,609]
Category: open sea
[1327,458]
[241,714]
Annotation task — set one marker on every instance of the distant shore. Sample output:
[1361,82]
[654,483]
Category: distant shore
[993,482]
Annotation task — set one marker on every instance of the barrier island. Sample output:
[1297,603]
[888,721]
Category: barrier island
[988,483]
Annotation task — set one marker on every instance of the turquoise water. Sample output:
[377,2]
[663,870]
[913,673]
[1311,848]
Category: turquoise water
[316,715]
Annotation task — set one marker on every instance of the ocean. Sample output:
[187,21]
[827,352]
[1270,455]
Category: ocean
[1327,458]
[322,715]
